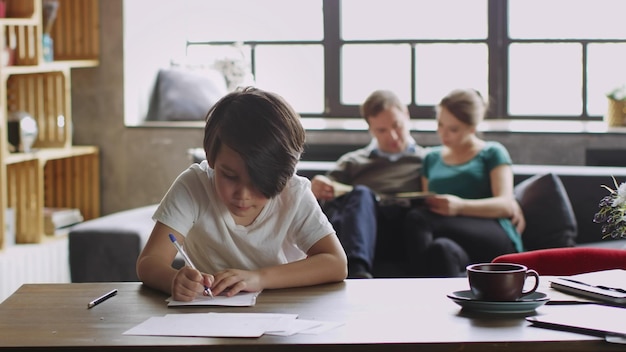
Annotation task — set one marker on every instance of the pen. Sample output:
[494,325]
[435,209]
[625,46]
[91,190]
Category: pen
[102,298]
[207,290]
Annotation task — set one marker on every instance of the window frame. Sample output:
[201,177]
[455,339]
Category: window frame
[497,41]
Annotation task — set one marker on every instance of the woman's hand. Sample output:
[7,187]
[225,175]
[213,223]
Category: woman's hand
[445,204]
[189,283]
[518,219]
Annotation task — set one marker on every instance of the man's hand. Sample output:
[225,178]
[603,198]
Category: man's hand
[322,187]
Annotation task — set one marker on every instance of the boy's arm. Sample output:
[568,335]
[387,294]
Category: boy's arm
[326,262]
[154,266]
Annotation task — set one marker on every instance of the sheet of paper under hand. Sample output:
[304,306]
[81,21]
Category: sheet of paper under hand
[242,299]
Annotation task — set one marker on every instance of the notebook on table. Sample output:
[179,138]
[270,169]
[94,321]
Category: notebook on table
[606,286]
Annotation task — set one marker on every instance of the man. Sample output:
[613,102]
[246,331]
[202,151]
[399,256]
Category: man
[390,164]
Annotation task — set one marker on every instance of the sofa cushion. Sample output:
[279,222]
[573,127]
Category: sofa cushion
[550,220]
[182,94]
[106,248]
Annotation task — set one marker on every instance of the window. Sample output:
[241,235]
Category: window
[570,58]
[282,41]
[551,59]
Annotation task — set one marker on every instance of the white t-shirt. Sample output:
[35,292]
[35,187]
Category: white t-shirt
[284,231]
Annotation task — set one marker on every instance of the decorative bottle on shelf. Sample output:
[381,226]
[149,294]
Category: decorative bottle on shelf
[50,9]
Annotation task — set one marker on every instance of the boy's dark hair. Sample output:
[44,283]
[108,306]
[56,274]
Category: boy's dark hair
[261,127]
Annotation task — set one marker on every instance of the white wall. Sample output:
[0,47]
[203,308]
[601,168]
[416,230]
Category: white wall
[34,263]
[152,37]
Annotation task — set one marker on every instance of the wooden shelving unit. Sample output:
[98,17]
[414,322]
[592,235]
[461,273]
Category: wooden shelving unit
[56,173]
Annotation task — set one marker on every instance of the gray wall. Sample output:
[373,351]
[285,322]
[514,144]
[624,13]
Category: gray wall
[139,163]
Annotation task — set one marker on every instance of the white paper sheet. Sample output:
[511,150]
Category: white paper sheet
[211,325]
[320,327]
[229,325]
[292,327]
[242,299]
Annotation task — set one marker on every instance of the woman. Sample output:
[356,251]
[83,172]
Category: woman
[471,218]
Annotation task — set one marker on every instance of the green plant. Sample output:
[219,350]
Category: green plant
[618,93]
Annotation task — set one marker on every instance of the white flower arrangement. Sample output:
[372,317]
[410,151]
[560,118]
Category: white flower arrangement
[612,213]
[235,67]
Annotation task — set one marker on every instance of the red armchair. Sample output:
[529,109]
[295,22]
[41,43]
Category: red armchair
[568,260]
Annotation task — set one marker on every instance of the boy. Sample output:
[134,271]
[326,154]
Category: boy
[247,221]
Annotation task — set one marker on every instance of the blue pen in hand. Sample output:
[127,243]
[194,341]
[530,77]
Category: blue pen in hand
[207,290]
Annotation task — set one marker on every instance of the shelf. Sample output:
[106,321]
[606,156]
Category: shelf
[80,63]
[46,154]
[55,66]
[76,31]
[58,178]
[56,173]
[18,21]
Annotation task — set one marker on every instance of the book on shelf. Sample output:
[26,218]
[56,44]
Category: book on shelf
[57,219]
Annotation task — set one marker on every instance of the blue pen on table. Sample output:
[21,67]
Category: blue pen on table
[207,290]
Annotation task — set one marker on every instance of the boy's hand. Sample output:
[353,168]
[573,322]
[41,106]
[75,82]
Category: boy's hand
[189,283]
[233,281]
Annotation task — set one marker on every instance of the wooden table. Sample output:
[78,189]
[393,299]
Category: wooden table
[379,315]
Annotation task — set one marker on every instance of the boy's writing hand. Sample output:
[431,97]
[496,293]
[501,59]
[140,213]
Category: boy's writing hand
[233,281]
[188,283]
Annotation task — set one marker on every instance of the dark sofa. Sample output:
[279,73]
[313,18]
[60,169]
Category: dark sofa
[105,249]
